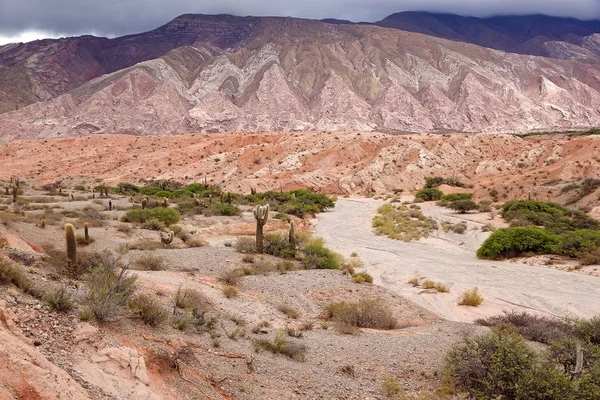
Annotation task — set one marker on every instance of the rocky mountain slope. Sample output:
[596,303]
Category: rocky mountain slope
[291,74]
[223,73]
[542,35]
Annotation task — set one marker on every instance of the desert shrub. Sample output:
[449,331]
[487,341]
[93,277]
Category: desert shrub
[579,242]
[229,291]
[511,242]
[429,194]
[317,256]
[463,206]
[488,228]
[435,181]
[147,309]
[534,327]
[557,219]
[442,287]
[81,240]
[428,284]
[231,277]
[489,366]
[459,228]
[108,288]
[471,298]
[277,244]
[589,384]
[192,300]
[283,217]
[544,382]
[362,277]
[58,299]
[153,224]
[590,330]
[245,245]
[182,320]
[167,216]
[280,345]
[150,262]
[224,209]
[391,386]
[403,223]
[366,313]
[196,242]
[10,273]
[289,311]
[456,197]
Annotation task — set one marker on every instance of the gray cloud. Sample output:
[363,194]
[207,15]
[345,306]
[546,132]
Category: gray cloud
[118,17]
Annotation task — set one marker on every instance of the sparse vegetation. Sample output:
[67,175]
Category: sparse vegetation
[362,277]
[150,262]
[167,216]
[59,300]
[147,309]
[366,313]
[403,223]
[280,345]
[471,298]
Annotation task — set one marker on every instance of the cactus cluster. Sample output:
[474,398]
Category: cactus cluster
[261,214]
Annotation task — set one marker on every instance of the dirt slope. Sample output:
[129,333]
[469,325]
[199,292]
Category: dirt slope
[503,165]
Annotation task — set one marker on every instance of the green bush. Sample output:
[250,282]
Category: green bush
[317,256]
[463,206]
[576,243]
[435,181]
[167,216]
[545,382]
[278,245]
[556,218]
[457,196]
[489,366]
[511,242]
[429,194]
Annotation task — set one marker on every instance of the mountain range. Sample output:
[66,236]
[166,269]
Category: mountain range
[410,72]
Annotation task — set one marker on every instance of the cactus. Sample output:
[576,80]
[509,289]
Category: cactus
[261,214]
[72,197]
[14,193]
[7,190]
[165,202]
[43,223]
[292,235]
[196,201]
[210,199]
[253,191]
[167,237]
[228,197]
[86,232]
[144,203]
[71,243]
[110,205]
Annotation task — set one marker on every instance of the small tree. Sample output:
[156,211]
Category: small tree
[463,206]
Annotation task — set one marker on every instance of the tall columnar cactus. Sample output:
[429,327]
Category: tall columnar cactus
[261,214]
[165,202]
[86,233]
[167,237]
[292,235]
[253,191]
[144,203]
[43,223]
[71,243]
[15,191]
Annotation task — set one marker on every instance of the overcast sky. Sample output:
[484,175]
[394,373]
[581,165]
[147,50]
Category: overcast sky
[25,20]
